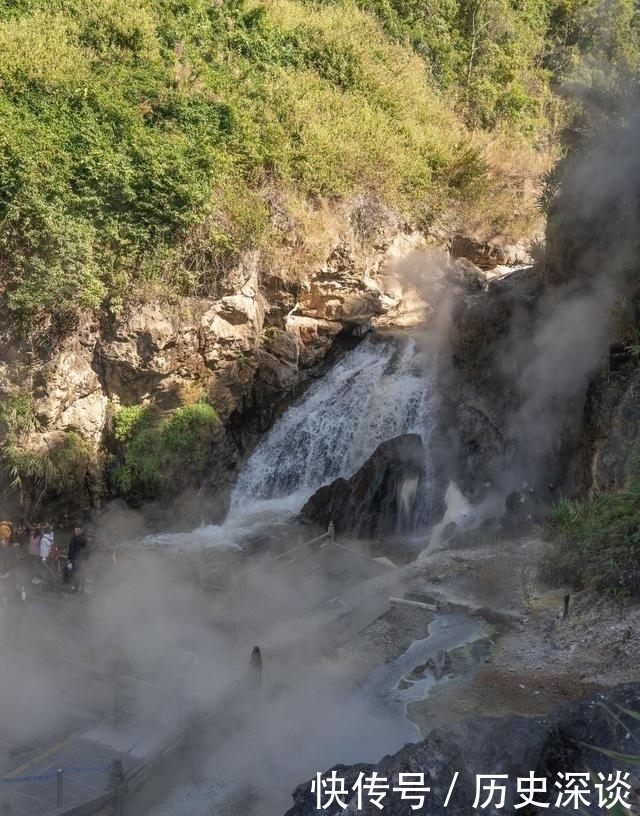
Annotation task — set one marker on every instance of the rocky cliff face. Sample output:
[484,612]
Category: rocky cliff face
[246,352]
[267,333]
[609,450]
[502,429]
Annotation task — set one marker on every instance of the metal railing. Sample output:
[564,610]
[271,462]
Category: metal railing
[115,690]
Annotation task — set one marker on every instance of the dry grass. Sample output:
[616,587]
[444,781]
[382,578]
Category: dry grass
[505,208]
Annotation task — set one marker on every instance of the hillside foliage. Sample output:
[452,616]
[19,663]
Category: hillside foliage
[156,452]
[138,139]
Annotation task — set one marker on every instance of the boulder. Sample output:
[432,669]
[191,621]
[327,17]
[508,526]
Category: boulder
[489,254]
[466,274]
[571,739]
[381,498]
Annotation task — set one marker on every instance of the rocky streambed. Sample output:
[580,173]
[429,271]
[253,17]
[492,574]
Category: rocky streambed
[531,690]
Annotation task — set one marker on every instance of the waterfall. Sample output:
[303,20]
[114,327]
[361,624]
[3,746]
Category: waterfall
[381,389]
[407,495]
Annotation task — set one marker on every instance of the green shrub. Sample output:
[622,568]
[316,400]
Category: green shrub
[160,455]
[66,470]
[17,416]
[128,419]
[596,542]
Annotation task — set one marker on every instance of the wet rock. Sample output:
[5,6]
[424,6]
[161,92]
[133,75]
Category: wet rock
[314,337]
[380,498]
[612,430]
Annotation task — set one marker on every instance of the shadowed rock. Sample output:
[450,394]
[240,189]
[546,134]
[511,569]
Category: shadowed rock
[379,499]
[570,739]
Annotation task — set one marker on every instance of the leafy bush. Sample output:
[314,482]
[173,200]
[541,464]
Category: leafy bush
[128,419]
[597,542]
[159,455]
[17,416]
[66,470]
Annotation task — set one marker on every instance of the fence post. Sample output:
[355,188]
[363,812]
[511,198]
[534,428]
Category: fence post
[117,783]
[59,796]
[114,699]
[180,701]
[331,531]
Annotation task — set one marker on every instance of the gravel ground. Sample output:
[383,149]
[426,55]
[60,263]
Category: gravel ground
[539,657]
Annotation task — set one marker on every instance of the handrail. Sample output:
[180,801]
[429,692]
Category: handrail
[330,533]
[123,783]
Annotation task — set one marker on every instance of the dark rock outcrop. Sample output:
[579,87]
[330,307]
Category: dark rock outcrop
[606,459]
[569,740]
[488,254]
[477,382]
[379,499]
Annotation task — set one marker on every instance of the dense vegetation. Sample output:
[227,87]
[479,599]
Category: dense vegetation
[137,138]
[502,58]
[140,141]
[597,542]
[66,465]
[157,452]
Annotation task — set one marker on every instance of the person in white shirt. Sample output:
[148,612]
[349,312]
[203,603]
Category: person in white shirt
[46,542]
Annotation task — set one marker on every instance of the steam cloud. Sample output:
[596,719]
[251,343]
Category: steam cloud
[149,616]
[547,355]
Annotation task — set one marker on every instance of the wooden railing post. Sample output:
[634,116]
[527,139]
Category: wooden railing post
[117,783]
[59,791]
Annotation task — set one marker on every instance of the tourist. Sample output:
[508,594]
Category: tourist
[5,558]
[46,542]
[76,552]
[35,534]
[255,664]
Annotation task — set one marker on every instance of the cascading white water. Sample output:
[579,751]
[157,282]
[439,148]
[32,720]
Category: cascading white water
[407,495]
[380,390]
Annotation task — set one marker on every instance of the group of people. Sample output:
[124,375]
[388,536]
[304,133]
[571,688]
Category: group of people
[31,556]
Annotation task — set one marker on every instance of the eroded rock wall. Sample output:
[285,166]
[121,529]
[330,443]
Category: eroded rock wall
[246,352]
